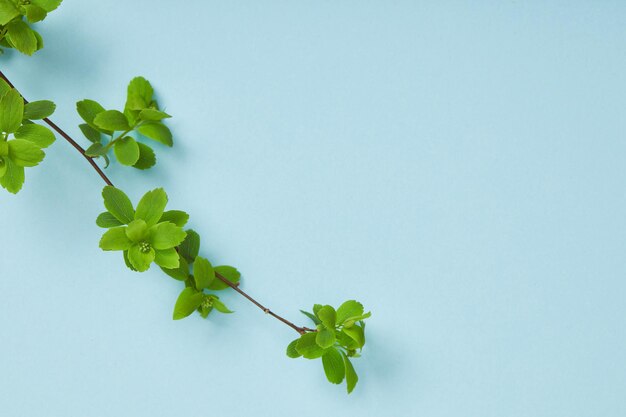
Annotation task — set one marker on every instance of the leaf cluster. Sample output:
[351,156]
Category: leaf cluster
[340,336]
[150,234]
[21,140]
[15,19]
[110,130]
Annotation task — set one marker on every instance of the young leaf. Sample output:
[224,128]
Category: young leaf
[203,273]
[22,37]
[137,231]
[39,135]
[96,150]
[127,151]
[179,218]
[107,220]
[188,301]
[37,110]
[13,178]
[8,11]
[35,13]
[151,206]
[291,350]
[153,115]
[351,376]
[356,333]
[25,153]
[115,239]
[190,247]
[219,306]
[228,272]
[167,258]
[47,5]
[147,159]
[111,120]
[166,235]
[325,338]
[348,309]
[90,133]
[327,316]
[139,259]
[181,273]
[88,110]
[156,131]
[308,348]
[118,204]
[11,111]
[311,316]
[140,94]
[333,366]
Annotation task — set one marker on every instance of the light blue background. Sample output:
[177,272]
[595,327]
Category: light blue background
[456,166]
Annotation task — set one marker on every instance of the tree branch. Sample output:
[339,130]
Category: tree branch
[81,150]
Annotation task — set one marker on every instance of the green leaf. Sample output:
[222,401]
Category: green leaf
[11,111]
[308,348]
[35,13]
[140,94]
[25,153]
[316,308]
[228,272]
[90,133]
[179,218]
[127,262]
[333,366]
[39,40]
[115,239]
[4,87]
[327,316]
[219,306]
[203,273]
[156,131]
[357,334]
[188,301]
[291,350]
[38,135]
[166,235]
[151,206]
[47,5]
[351,376]
[111,120]
[118,204]
[137,231]
[181,273]
[37,110]
[107,220]
[167,258]
[147,159]
[190,247]
[325,338]
[22,37]
[153,115]
[88,110]
[13,178]
[348,309]
[311,316]
[140,260]
[127,151]
[8,11]
[349,322]
[96,150]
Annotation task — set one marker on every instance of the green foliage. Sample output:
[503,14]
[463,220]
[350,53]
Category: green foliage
[21,141]
[15,19]
[142,237]
[108,130]
[339,336]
